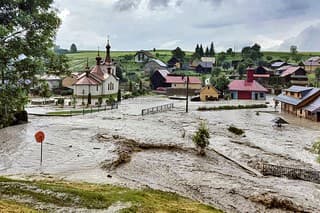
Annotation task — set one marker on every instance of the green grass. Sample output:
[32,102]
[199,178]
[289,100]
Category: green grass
[92,196]
[232,107]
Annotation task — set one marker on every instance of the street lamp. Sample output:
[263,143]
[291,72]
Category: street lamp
[187,96]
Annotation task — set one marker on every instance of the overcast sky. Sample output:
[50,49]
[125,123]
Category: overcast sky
[166,24]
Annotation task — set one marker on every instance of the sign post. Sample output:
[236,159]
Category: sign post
[39,136]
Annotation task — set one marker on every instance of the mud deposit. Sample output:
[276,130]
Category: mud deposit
[123,147]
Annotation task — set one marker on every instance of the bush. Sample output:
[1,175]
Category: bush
[60,101]
[201,138]
[316,147]
[235,130]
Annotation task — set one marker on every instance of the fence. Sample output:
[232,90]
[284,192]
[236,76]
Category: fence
[157,109]
[289,172]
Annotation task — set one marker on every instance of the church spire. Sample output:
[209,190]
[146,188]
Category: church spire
[108,47]
[98,58]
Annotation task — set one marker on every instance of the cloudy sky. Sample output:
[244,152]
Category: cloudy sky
[166,24]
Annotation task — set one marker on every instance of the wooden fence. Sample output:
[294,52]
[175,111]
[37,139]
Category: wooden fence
[289,172]
[157,109]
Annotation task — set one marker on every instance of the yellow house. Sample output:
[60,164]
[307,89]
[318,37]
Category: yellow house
[209,93]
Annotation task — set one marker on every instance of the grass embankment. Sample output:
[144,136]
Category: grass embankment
[28,195]
[232,107]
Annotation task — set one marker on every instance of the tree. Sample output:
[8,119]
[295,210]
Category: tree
[269,57]
[140,85]
[130,86]
[73,48]
[45,90]
[27,31]
[207,53]
[229,52]
[226,65]
[212,51]
[119,73]
[222,83]
[201,52]
[119,95]
[201,138]
[293,49]
[57,64]
[252,53]
[178,53]
[241,69]
[221,58]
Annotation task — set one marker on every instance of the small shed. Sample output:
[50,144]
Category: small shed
[209,93]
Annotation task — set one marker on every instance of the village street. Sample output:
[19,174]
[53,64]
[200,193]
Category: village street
[72,151]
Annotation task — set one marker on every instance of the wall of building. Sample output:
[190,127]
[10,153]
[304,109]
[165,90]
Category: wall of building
[208,93]
[260,96]
[234,94]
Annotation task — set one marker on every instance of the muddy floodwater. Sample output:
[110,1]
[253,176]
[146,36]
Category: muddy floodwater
[122,147]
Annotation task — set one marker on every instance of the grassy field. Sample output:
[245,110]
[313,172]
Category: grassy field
[32,196]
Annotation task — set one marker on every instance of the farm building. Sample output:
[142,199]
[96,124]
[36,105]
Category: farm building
[204,67]
[209,93]
[99,81]
[178,85]
[312,64]
[175,63]
[301,101]
[158,79]
[152,65]
[53,81]
[142,56]
[278,64]
[294,76]
[247,89]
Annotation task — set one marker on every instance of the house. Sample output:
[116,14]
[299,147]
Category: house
[194,63]
[312,64]
[247,89]
[294,75]
[175,63]
[178,85]
[152,65]
[204,67]
[142,56]
[278,64]
[158,79]
[70,80]
[98,81]
[53,81]
[209,59]
[301,101]
[209,93]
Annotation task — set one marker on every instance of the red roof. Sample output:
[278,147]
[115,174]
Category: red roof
[289,71]
[180,80]
[87,80]
[97,72]
[243,85]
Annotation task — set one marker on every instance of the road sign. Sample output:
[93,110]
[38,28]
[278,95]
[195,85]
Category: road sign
[39,136]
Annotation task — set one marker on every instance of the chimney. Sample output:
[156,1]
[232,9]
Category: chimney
[250,72]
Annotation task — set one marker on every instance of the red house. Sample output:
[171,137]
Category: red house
[247,89]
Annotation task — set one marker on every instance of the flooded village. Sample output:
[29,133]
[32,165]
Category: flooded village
[155,130]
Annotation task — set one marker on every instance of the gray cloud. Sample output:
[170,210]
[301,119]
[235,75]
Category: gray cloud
[226,22]
[124,5]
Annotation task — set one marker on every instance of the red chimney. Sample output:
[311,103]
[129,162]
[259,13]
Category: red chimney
[250,73]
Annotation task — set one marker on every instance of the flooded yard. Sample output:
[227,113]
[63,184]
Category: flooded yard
[72,151]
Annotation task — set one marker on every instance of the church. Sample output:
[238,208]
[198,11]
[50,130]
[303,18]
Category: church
[99,81]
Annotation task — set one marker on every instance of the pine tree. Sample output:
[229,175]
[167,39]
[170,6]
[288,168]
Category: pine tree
[212,52]
[119,95]
[197,49]
[207,53]
[201,52]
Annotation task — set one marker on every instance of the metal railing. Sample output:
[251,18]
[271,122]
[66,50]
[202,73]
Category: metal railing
[157,109]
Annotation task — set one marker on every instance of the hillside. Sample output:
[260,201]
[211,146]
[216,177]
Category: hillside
[78,60]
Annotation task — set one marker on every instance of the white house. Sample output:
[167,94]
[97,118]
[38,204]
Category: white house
[99,81]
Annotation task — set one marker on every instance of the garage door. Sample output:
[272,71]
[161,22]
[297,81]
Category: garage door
[244,95]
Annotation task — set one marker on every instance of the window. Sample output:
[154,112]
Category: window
[300,111]
[261,95]
[97,87]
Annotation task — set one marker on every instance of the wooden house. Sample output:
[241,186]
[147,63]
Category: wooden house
[204,67]
[301,101]
[294,75]
[152,65]
[158,79]
[142,56]
[209,93]
[175,63]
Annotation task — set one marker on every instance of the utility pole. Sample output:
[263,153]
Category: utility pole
[187,95]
